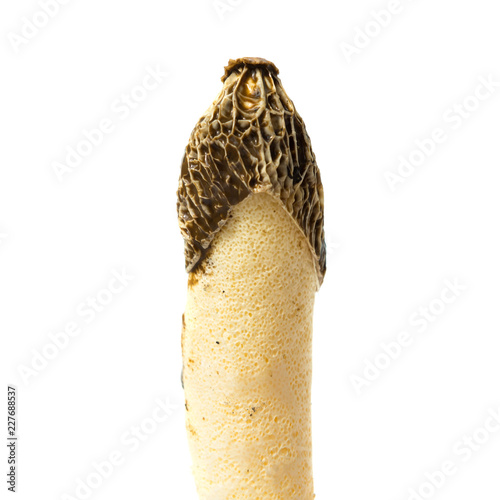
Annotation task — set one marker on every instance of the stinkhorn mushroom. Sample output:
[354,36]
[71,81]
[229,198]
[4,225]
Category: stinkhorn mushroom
[250,207]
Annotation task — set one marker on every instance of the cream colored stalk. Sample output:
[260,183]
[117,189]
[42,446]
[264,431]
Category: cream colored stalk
[251,212]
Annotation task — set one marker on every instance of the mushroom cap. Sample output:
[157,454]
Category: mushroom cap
[250,140]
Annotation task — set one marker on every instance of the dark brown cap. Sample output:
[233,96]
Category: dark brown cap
[251,140]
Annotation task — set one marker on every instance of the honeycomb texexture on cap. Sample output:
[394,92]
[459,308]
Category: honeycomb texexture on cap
[250,140]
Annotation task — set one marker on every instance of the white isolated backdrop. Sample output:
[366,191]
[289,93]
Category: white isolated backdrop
[382,426]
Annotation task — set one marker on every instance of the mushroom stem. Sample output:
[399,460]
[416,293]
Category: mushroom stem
[247,358]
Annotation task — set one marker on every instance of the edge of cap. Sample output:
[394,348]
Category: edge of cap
[234,64]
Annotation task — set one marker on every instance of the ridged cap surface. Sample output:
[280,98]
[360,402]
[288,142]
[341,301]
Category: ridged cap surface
[250,140]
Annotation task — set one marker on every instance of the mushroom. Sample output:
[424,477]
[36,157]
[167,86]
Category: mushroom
[250,207]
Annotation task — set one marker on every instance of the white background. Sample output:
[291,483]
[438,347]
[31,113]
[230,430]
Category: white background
[390,251]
